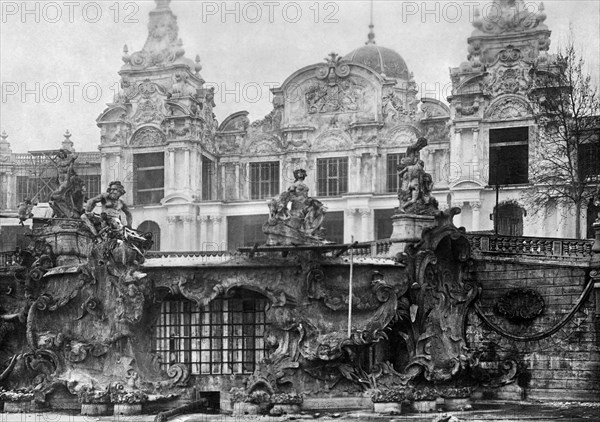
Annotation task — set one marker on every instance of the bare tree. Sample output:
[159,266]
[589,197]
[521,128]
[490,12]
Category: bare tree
[566,106]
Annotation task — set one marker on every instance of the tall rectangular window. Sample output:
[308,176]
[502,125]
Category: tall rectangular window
[332,176]
[38,189]
[509,156]
[589,159]
[334,226]
[383,224]
[392,172]
[92,185]
[208,172]
[149,177]
[224,337]
[264,180]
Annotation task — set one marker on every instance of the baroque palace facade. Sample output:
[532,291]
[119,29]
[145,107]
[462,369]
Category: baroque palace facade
[200,185]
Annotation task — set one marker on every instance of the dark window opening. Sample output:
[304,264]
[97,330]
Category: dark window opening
[151,227]
[224,337]
[509,156]
[149,178]
[589,160]
[334,226]
[383,224]
[264,180]
[510,219]
[245,230]
[332,176]
[208,173]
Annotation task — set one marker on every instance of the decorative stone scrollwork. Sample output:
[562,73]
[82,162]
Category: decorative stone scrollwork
[332,93]
[179,374]
[509,107]
[521,305]
[148,136]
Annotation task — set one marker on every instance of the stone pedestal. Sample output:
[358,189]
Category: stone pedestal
[95,409]
[407,229]
[127,409]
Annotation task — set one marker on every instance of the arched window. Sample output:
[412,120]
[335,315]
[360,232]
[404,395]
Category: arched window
[151,227]
[224,337]
[510,219]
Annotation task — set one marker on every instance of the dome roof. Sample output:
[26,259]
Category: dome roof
[380,59]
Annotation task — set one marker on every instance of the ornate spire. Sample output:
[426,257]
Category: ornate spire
[162,47]
[4,144]
[509,16]
[371,36]
[162,4]
[67,143]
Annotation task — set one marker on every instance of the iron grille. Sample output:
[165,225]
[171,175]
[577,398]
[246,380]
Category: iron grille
[224,337]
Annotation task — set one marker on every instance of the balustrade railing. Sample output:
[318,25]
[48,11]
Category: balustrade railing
[568,249]
[531,246]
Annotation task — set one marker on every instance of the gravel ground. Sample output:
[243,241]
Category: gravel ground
[482,411]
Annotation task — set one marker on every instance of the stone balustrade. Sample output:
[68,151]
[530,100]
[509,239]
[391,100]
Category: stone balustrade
[541,247]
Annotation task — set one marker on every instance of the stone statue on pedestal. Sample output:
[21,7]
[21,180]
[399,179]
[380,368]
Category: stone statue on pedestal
[415,184]
[301,223]
[67,200]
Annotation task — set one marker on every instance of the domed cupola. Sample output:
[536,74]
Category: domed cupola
[380,59]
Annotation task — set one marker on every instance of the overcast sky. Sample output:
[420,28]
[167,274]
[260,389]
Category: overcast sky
[66,54]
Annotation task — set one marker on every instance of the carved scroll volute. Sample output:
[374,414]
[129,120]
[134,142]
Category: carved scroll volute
[179,374]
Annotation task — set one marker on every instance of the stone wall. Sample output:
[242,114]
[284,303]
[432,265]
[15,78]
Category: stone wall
[564,365]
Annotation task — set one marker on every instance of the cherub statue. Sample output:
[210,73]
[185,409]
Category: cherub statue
[113,210]
[416,185]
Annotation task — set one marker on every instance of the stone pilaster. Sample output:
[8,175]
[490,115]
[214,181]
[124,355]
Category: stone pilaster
[366,225]
[476,208]
[203,219]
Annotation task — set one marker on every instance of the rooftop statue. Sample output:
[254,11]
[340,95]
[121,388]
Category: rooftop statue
[415,184]
[301,223]
[67,200]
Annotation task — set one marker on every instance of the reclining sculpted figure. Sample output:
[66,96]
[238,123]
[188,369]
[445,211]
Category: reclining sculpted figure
[300,224]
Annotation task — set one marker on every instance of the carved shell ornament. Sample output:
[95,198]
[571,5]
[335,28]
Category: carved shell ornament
[521,305]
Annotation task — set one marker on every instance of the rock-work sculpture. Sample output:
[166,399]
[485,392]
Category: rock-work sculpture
[67,200]
[416,184]
[301,223]
[83,274]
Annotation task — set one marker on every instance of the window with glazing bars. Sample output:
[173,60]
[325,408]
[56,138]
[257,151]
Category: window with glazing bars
[92,185]
[392,171]
[149,181]
[264,180]
[224,337]
[332,176]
